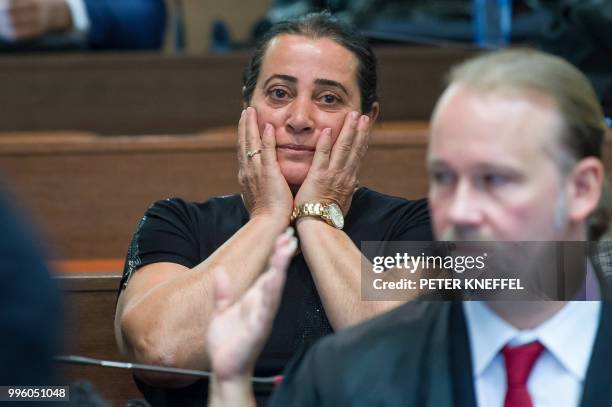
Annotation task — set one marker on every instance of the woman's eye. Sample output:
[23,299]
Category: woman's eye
[329,99]
[279,93]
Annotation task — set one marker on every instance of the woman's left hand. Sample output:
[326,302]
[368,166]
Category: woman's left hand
[333,174]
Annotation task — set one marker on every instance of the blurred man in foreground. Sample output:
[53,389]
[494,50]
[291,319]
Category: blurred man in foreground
[514,155]
[29,307]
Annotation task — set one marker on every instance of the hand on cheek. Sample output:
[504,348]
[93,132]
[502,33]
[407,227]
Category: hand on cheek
[264,189]
[333,174]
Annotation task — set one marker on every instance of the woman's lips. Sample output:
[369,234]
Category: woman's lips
[296,148]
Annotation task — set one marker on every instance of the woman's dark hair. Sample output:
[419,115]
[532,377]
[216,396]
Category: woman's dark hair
[320,25]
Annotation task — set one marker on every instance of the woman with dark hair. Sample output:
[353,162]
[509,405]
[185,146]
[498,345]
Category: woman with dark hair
[310,100]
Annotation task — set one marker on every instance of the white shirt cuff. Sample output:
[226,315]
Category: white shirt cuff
[80,19]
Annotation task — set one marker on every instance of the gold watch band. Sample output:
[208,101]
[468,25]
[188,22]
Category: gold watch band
[307,209]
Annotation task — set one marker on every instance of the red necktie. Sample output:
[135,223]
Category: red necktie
[519,362]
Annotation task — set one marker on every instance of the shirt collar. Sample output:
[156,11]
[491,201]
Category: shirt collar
[570,334]
[489,333]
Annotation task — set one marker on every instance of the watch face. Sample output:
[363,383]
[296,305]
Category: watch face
[335,215]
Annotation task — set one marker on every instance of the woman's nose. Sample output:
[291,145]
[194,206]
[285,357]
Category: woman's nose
[299,118]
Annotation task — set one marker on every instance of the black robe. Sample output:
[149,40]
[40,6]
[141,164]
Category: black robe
[416,355]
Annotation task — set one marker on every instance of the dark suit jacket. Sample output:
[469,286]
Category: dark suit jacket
[126,23]
[417,355]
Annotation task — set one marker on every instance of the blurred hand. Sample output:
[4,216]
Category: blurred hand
[333,175]
[238,330]
[29,19]
[263,186]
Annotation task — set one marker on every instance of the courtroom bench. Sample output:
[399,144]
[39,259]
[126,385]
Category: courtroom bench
[147,93]
[89,293]
[87,192]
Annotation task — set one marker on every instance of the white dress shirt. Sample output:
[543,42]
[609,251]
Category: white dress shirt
[557,378]
[80,19]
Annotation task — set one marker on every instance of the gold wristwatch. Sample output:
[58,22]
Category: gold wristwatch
[329,212]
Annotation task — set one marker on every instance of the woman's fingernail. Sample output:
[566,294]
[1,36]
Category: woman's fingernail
[327,132]
[290,231]
[293,244]
[366,119]
[354,115]
[268,127]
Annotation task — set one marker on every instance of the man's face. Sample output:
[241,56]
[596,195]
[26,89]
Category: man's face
[305,86]
[491,167]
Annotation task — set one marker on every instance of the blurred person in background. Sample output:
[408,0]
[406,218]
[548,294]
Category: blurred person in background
[579,31]
[77,24]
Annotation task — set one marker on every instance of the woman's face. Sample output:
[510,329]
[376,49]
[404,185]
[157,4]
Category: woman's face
[304,86]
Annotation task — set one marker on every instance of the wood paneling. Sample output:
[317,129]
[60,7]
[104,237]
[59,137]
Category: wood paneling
[88,193]
[89,303]
[160,94]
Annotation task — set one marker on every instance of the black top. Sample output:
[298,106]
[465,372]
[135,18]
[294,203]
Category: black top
[417,355]
[187,233]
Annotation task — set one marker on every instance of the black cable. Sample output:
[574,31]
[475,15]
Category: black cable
[83,360]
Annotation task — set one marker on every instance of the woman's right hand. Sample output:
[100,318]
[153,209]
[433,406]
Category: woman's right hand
[264,189]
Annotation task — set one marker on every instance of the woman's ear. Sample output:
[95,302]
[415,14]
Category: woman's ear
[373,115]
[585,184]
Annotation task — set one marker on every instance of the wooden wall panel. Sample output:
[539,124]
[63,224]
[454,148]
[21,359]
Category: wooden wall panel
[88,203]
[89,303]
[88,195]
[161,94]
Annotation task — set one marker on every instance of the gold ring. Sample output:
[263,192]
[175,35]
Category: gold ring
[253,153]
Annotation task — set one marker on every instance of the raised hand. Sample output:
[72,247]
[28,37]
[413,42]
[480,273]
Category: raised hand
[240,327]
[335,167]
[264,188]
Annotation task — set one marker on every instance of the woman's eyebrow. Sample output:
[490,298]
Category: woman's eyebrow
[287,78]
[329,82]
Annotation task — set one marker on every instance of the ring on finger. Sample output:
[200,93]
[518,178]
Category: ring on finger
[253,153]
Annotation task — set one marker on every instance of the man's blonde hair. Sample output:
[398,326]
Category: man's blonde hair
[534,71]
